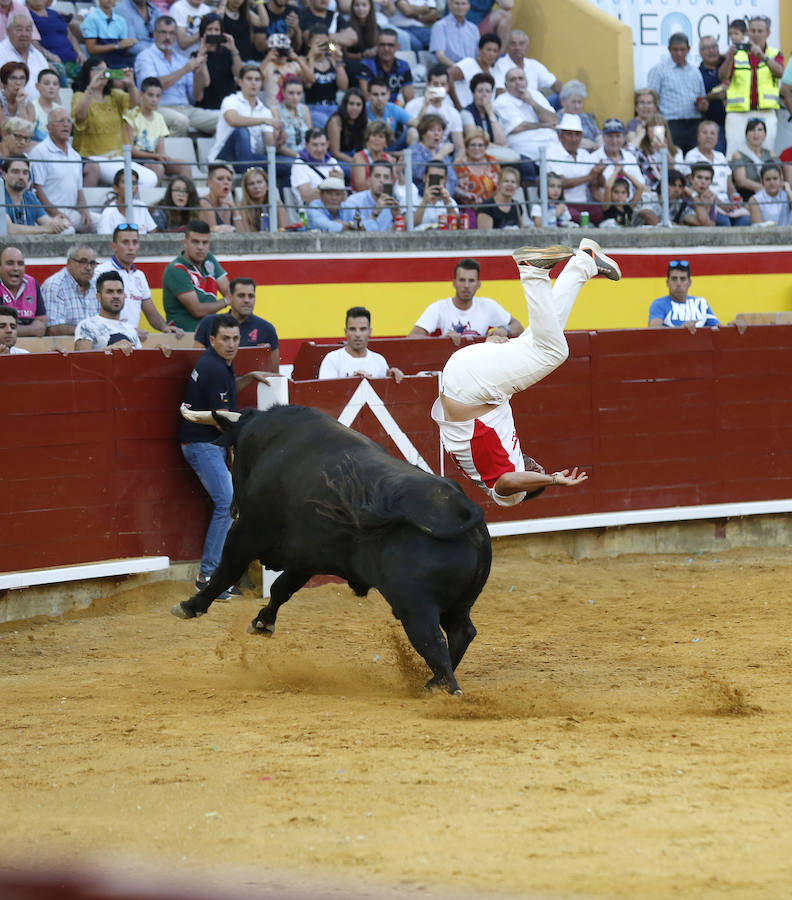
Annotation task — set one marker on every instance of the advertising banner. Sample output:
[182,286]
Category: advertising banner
[654,21]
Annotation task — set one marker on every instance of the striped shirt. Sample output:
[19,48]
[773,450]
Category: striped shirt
[677,87]
[66,302]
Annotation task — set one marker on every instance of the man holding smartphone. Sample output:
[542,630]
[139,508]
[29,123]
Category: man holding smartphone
[436,201]
[377,205]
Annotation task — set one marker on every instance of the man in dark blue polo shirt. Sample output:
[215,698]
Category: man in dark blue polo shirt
[396,73]
[213,385]
[253,331]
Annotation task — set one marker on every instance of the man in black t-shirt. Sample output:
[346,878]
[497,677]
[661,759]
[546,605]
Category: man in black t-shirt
[253,331]
[213,386]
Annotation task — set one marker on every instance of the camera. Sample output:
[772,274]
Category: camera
[746,45]
[214,39]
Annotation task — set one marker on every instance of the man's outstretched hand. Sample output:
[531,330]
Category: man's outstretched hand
[570,479]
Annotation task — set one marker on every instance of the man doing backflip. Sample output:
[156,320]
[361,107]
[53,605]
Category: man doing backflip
[473,411]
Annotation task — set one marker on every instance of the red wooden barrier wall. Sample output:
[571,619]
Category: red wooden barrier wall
[660,418]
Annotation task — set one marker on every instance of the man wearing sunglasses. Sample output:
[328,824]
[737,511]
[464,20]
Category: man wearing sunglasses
[753,73]
[70,294]
[680,308]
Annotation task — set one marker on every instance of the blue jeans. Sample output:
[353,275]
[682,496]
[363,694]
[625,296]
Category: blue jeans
[724,221]
[419,36]
[209,464]
[236,150]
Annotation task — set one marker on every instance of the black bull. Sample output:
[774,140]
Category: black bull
[314,497]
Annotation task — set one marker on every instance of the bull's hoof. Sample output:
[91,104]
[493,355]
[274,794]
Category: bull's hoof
[183,612]
[257,627]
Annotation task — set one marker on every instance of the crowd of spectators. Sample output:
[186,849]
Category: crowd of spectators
[321,82]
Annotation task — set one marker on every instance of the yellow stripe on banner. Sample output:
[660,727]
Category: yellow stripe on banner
[317,310]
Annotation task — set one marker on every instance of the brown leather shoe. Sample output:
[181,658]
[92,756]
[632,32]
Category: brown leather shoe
[542,257]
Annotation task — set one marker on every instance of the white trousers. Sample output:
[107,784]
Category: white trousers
[109,167]
[492,373]
[181,119]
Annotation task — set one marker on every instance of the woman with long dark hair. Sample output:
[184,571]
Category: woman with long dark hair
[323,74]
[222,63]
[363,18]
[346,128]
[179,205]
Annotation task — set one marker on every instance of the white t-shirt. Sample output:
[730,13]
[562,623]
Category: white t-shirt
[721,170]
[313,174]
[99,330]
[561,162]
[340,364]
[469,66]
[188,16]
[136,290]
[538,76]
[447,110]
[399,20]
[514,112]
[432,213]
[238,103]
[628,161]
[443,316]
[112,216]
[16,351]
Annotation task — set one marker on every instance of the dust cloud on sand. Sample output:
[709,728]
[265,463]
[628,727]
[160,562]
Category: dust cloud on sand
[624,732]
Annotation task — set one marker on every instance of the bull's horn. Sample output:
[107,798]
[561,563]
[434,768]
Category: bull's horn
[227,415]
[200,417]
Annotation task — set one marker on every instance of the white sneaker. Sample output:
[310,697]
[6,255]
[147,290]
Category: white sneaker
[605,265]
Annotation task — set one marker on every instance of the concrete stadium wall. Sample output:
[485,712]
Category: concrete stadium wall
[574,39]
[92,468]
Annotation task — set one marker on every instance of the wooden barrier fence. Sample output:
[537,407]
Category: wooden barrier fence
[665,418]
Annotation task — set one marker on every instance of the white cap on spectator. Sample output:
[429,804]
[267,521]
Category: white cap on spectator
[570,122]
[332,183]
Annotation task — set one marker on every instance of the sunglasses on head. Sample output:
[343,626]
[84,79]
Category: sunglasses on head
[679,264]
[129,226]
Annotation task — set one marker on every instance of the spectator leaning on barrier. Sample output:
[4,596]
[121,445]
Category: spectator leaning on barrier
[679,308]
[680,212]
[107,329]
[218,208]
[213,385]
[22,293]
[70,294]
[354,359]
[191,281]
[614,153]
[748,160]
[253,330]
[125,247]
[177,73]
[680,87]
[465,316]
[24,213]
[752,70]
[58,175]
[9,319]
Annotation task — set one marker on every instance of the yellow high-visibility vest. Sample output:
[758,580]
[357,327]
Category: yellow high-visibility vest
[738,94]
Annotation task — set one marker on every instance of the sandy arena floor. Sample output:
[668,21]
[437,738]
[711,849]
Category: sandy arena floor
[625,732]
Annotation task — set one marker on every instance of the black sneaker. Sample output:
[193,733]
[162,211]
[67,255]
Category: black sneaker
[200,584]
[605,265]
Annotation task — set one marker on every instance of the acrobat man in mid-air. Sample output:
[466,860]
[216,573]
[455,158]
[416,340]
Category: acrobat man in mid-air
[473,411]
